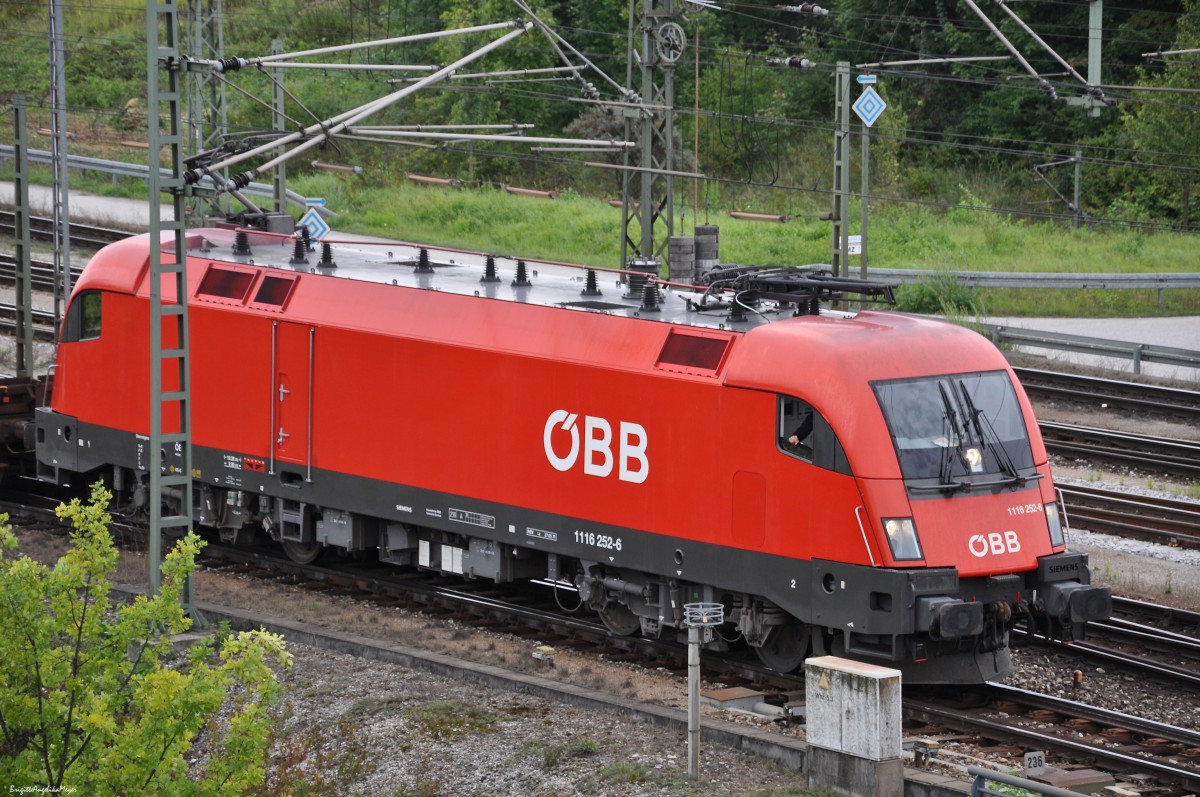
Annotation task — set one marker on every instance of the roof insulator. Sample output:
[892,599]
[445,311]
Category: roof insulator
[637,281]
[489,270]
[299,254]
[650,299]
[423,264]
[522,280]
[241,243]
[590,285]
[327,260]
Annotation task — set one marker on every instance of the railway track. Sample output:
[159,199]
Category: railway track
[1145,453]
[1069,731]
[1167,521]
[1165,618]
[85,236]
[1172,404]
[991,714]
[1151,652]
[43,322]
[41,273]
[1134,641]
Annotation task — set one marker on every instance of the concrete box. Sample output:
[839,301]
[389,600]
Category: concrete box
[853,708]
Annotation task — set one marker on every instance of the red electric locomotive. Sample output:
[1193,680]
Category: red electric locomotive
[872,484]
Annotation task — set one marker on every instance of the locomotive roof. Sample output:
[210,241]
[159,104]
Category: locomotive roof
[466,273]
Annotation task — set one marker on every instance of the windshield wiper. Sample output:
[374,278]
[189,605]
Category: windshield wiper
[972,413]
[987,436]
[948,430]
[950,402]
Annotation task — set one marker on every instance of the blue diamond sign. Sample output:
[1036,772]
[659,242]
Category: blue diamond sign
[869,106]
[317,228]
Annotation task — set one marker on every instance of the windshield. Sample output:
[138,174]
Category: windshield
[957,426]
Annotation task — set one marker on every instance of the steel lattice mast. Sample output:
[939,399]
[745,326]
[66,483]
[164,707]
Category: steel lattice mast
[656,41]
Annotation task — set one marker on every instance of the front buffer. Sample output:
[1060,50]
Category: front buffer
[937,628]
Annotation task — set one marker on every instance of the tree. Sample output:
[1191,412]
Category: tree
[92,696]
[1163,130]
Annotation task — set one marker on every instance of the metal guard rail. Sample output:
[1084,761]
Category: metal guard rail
[141,171]
[1137,352]
[1032,279]
[980,778]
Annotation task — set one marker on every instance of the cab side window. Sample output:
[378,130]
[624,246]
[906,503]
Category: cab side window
[83,318]
[804,433]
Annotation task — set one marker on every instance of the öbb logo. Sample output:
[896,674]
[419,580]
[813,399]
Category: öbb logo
[597,446]
[995,543]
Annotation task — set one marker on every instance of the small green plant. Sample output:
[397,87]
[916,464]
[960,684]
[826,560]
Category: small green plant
[585,747]
[625,772]
[552,755]
[448,719]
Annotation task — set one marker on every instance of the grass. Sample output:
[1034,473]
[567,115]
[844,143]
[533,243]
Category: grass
[588,231]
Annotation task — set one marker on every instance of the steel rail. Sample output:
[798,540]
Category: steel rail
[83,235]
[1112,394]
[1168,521]
[1123,762]
[1154,454]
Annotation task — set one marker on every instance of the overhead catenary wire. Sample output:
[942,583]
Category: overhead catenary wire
[325,130]
[507,72]
[341,48]
[485,137]
[336,66]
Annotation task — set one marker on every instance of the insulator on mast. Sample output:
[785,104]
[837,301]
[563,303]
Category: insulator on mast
[793,61]
[806,8]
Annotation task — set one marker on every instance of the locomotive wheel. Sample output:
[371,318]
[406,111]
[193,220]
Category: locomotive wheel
[302,553]
[786,646]
[620,620]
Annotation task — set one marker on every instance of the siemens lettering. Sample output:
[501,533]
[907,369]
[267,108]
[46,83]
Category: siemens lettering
[633,466]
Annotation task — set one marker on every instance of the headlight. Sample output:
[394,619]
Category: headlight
[1056,529]
[902,538]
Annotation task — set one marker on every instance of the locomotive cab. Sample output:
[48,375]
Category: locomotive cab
[981,508]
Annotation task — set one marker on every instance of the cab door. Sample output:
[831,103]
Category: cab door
[291,394]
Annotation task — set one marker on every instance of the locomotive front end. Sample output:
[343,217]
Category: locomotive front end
[975,506]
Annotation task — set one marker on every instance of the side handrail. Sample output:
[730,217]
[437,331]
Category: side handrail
[863,530]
